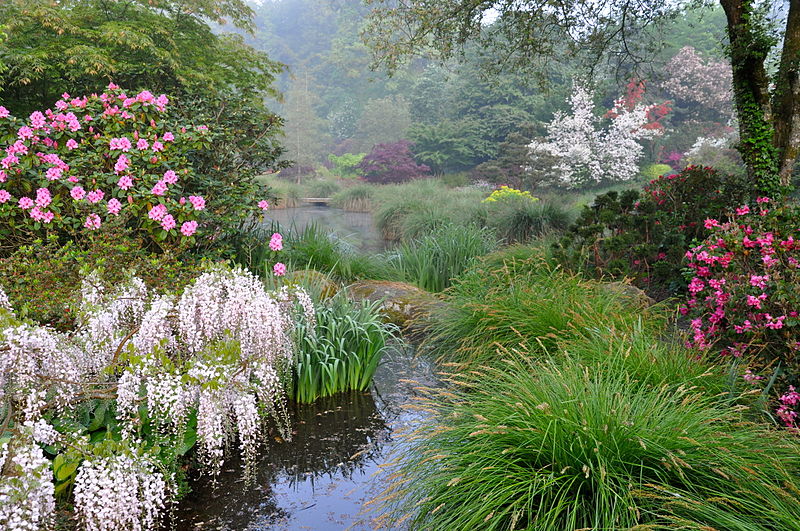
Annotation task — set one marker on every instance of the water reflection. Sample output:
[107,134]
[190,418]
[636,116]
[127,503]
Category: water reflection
[356,228]
[323,477]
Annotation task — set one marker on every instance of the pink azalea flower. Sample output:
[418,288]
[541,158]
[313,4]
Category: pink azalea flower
[158,212]
[142,144]
[4,113]
[160,188]
[170,177]
[168,137]
[276,242]
[95,196]
[197,201]
[54,174]
[71,144]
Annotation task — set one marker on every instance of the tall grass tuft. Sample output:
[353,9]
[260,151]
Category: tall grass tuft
[357,198]
[316,248]
[524,303]
[432,261]
[563,445]
[520,221]
[340,353]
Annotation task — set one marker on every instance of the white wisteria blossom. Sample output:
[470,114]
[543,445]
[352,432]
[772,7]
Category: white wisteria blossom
[217,354]
[584,152]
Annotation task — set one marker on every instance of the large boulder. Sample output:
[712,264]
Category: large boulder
[400,303]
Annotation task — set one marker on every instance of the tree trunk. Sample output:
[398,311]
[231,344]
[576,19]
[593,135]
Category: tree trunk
[749,49]
[786,98]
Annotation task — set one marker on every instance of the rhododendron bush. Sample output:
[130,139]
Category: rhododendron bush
[104,414]
[99,159]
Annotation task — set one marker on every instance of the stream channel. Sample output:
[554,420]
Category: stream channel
[323,477]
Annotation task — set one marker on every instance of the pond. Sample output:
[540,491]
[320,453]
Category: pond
[356,228]
[331,467]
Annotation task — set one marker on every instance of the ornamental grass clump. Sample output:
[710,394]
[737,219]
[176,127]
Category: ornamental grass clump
[340,350]
[524,303]
[432,261]
[560,445]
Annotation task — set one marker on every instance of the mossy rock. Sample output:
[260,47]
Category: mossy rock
[628,293]
[316,280]
[400,303]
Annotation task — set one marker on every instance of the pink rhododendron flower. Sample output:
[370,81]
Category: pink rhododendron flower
[38,120]
[742,210]
[142,144]
[170,177]
[120,144]
[25,203]
[4,196]
[276,242]
[71,144]
[279,269]
[160,188]
[123,163]
[157,213]
[125,182]
[77,193]
[114,206]
[25,132]
[168,222]
[157,146]
[263,204]
[188,228]
[92,222]
[197,201]
[95,196]
[54,174]
[4,113]
[43,197]
[168,137]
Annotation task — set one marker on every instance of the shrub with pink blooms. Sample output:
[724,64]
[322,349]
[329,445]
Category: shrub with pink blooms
[100,158]
[743,299]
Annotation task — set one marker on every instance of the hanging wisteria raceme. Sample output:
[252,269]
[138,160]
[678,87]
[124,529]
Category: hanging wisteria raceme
[207,365]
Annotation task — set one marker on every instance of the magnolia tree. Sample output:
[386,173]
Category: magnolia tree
[700,82]
[96,159]
[585,153]
[107,412]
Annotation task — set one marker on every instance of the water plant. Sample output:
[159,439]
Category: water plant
[341,350]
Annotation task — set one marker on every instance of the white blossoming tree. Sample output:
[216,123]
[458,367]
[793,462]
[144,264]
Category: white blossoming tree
[144,379]
[585,152]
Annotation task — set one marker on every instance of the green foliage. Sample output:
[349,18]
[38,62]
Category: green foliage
[344,166]
[645,235]
[340,353]
[518,300]
[358,198]
[522,220]
[654,171]
[43,279]
[433,260]
[565,445]
[316,248]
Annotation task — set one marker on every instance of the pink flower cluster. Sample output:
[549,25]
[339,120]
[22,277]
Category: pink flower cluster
[742,290]
[139,151]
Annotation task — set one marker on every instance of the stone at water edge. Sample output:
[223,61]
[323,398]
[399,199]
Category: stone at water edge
[628,293]
[400,303]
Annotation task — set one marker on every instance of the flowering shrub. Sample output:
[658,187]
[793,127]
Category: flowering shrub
[504,193]
[743,297]
[95,159]
[155,375]
[645,234]
[585,154]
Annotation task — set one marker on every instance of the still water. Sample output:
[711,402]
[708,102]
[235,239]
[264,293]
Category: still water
[322,479]
[355,228]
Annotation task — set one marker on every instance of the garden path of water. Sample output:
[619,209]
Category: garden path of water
[332,466]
